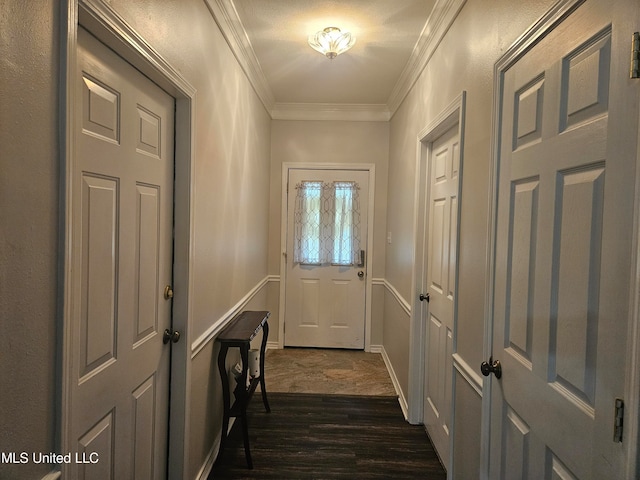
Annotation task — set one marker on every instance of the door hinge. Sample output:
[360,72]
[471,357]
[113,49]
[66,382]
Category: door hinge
[618,421]
[635,55]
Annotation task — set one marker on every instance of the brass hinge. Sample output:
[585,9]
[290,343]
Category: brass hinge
[618,421]
[635,55]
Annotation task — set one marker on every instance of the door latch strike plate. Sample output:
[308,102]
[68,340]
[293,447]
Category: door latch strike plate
[618,421]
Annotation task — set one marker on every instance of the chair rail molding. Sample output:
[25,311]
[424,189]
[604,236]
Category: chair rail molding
[216,327]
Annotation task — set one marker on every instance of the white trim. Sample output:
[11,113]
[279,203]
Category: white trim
[469,373]
[380,348]
[406,306]
[632,404]
[210,459]
[471,377]
[331,111]
[453,114]
[54,475]
[103,22]
[396,384]
[442,17]
[286,167]
[283,254]
[217,326]
[226,16]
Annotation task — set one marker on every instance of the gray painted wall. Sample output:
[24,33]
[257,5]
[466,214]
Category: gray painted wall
[235,172]
[28,229]
[464,60]
[232,157]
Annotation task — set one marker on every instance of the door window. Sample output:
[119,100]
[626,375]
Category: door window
[327,220]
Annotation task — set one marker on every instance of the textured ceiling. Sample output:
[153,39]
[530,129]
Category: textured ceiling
[386,32]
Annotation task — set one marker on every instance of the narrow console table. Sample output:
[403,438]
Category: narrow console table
[241,330]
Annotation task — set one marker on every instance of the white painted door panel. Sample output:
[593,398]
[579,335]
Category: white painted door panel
[325,304]
[123,204]
[565,197]
[441,282]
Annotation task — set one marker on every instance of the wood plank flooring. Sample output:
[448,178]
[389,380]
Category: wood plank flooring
[319,436]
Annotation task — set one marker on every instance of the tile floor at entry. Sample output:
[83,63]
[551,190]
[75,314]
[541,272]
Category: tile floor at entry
[327,371]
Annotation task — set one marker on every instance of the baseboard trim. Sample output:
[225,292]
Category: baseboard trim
[212,456]
[396,384]
[53,475]
[376,348]
[218,325]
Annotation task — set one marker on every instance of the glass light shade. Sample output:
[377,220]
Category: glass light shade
[332,42]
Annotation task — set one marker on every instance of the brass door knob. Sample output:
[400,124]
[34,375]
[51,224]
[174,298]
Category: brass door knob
[168,292]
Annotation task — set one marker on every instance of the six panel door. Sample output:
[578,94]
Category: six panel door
[565,199]
[122,198]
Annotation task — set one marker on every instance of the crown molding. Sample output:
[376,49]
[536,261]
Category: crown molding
[226,16]
[437,25]
[331,111]
[443,15]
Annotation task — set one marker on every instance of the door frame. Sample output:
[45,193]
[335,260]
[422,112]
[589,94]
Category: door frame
[103,22]
[449,117]
[288,166]
[555,15]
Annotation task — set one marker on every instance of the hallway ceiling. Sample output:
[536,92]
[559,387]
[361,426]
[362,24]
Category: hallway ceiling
[288,73]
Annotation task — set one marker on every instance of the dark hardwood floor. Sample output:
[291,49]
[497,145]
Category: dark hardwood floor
[310,436]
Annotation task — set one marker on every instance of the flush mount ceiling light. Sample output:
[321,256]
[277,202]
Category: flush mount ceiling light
[332,42]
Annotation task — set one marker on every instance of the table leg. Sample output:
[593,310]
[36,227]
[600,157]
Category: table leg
[244,354]
[263,348]
[226,401]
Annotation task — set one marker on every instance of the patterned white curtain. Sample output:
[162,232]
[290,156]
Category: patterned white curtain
[327,223]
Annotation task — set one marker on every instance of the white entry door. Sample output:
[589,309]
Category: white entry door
[122,196]
[566,183]
[325,293]
[441,287]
